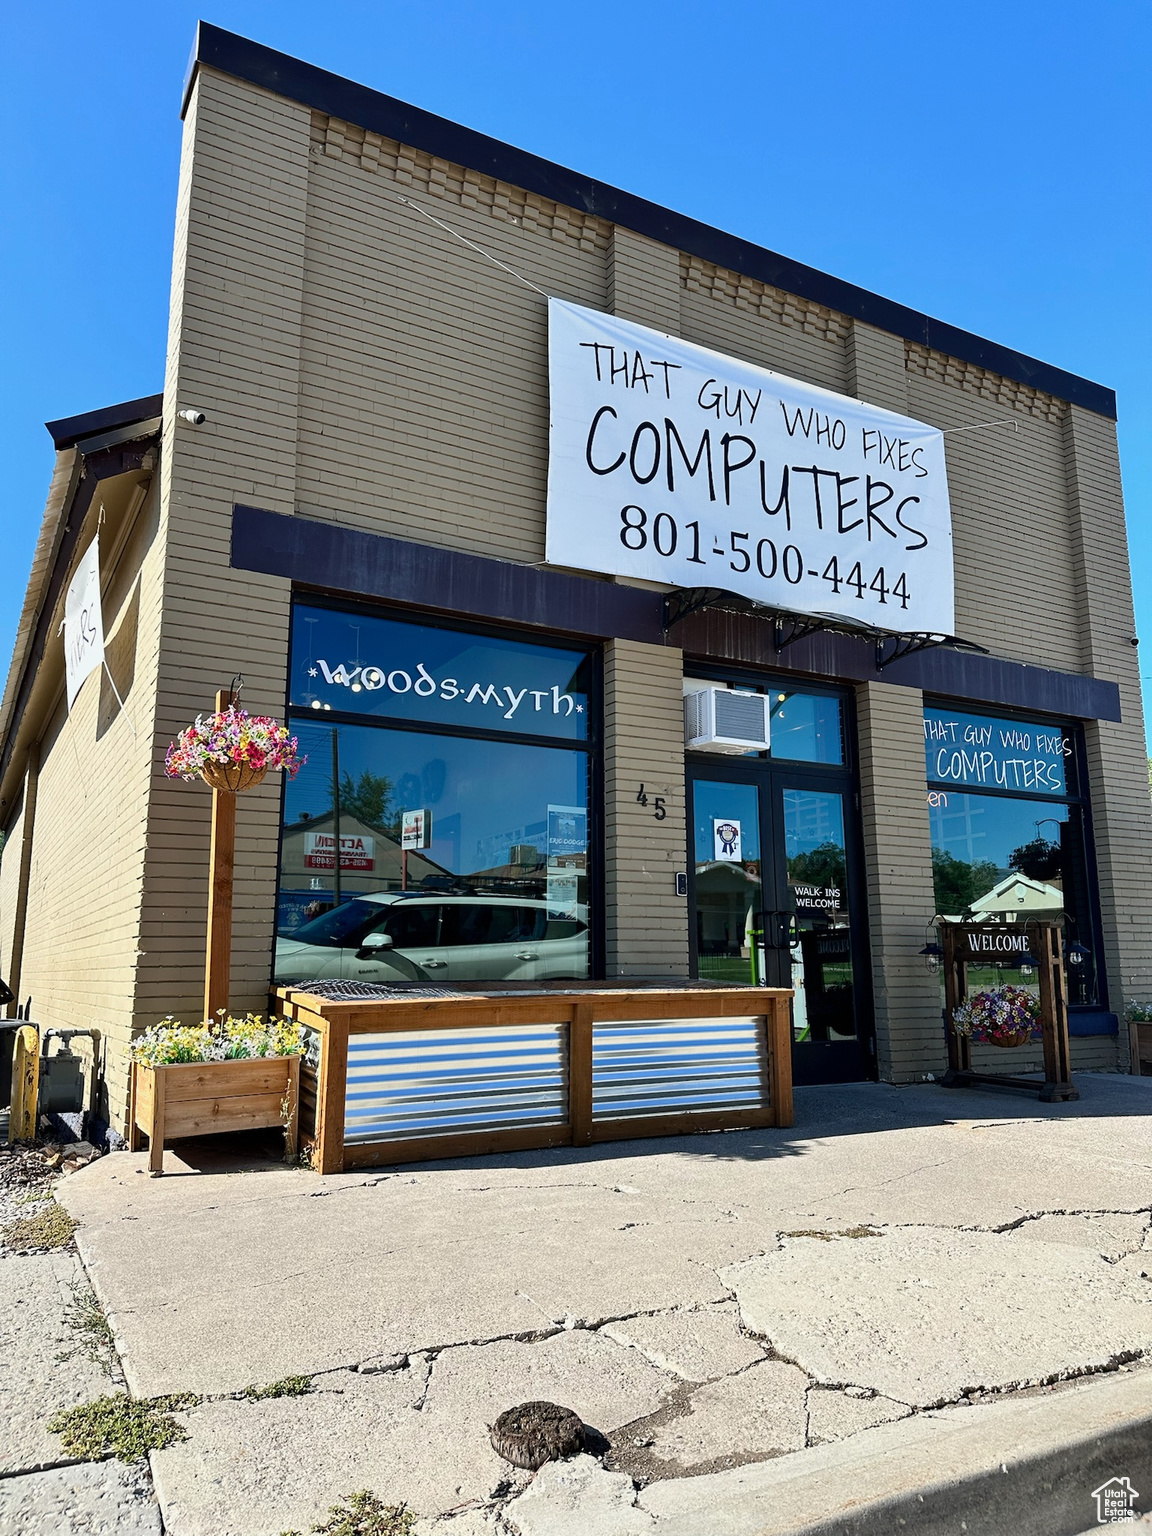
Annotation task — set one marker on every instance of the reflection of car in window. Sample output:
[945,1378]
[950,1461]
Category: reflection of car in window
[401,936]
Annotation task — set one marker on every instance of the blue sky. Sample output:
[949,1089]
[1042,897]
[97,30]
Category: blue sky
[984,163]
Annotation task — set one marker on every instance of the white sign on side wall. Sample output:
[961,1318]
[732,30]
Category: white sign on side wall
[677,464]
[83,621]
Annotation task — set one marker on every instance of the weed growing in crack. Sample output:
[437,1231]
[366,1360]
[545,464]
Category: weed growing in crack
[828,1237]
[122,1426]
[288,1386]
[363,1514]
[85,1316]
[49,1228]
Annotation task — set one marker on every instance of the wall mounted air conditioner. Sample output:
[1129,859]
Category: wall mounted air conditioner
[726,720]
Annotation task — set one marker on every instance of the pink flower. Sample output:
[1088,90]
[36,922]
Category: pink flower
[233,736]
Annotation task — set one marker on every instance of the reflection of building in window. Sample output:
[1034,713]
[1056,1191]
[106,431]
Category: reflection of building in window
[370,860]
[1016,898]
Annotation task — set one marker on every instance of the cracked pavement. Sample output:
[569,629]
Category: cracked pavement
[709,1305]
[47,1364]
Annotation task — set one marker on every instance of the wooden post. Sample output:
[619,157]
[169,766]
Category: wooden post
[292,1119]
[25,1084]
[779,1041]
[331,1108]
[133,1086]
[221,874]
[955,990]
[156,1124]
[1058,1089]
[580,1074]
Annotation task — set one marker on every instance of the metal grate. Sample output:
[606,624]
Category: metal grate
[740,716]
[664,1067]
[337,991]
[434,1082]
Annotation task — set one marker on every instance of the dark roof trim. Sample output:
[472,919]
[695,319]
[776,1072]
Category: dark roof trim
[326,92]
[70,429]
[340,560]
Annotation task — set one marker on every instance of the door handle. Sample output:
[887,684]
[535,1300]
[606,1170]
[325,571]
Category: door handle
[434,965]
[527,954]
[779,930]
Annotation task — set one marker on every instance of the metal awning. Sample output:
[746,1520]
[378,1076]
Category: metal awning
[891,644]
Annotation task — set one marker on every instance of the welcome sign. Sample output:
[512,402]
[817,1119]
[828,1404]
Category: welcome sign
[677,464]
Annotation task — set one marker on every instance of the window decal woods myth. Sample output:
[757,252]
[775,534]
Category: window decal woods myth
[677,464]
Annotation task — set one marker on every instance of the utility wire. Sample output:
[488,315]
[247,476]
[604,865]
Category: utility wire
[471,244]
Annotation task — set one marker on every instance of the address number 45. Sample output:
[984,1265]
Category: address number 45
[660,810]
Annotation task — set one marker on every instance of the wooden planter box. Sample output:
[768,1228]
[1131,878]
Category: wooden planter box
[205,1097]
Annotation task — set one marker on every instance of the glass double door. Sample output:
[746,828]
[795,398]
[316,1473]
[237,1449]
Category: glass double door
[773,899]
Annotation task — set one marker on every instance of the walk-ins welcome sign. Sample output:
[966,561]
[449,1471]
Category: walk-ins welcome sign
[678,464]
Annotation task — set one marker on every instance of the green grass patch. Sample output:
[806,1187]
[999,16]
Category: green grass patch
[50,1228]
[290,1386]
[85,1316]
[122,1426]
[363,1514]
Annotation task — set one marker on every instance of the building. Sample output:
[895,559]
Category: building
[358,527]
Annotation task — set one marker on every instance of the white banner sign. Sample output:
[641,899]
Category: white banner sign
[83,622]
[681,465]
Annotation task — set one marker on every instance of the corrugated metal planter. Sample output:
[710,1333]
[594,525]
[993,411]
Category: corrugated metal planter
[410,1076]
[202,1098]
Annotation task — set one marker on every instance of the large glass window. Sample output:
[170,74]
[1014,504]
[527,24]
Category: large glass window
[805,727]
[463,852]
[1008,843]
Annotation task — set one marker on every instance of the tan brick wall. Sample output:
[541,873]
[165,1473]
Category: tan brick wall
[875,366]
[234,352]
[1117,757]
[644,281]
[424,385]
[9,889]
[898,864]
[644,745]
[766,326]
[82,925]
[1011,525]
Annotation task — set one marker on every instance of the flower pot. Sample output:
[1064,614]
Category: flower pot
[202,1098]
[1010,1042]
[233,776]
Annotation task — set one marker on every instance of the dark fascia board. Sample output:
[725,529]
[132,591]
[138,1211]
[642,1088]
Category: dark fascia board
[70,429]
[322,91]
[336,559]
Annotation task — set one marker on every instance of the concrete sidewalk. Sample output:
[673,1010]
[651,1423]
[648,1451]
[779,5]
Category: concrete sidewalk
[733,1313]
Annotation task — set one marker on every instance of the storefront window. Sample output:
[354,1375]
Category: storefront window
[807,727]
[366,665]
[464,854]
[1001,856]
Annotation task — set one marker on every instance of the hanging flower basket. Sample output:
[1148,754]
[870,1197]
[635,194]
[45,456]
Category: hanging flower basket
[1003,1016]
[232,750]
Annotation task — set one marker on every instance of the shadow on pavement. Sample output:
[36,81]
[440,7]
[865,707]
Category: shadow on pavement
[842,1109]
